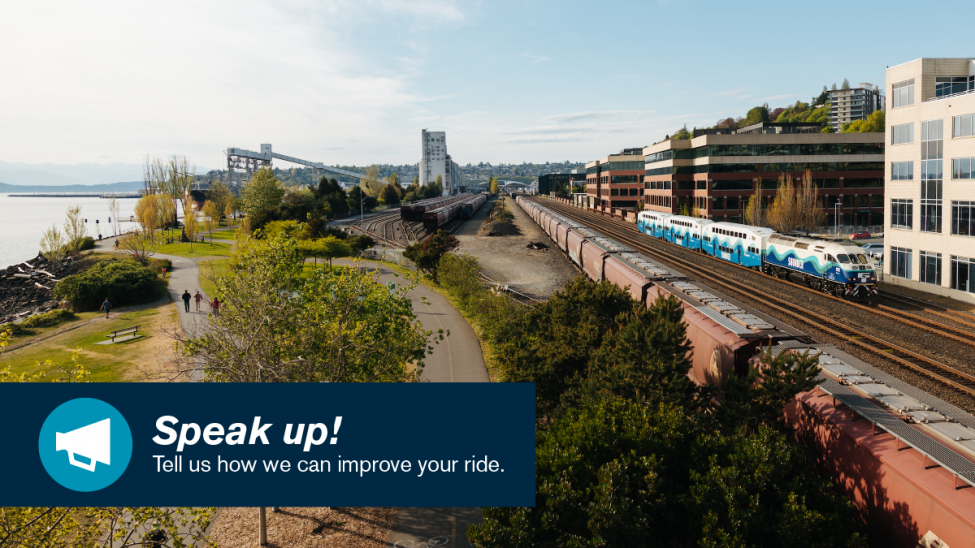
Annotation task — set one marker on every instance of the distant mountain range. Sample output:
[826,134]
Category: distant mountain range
[16,173]
[44,189]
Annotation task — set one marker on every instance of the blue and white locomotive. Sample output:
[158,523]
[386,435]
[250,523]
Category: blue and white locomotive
[840,268]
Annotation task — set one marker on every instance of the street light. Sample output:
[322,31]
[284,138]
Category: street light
[836,220]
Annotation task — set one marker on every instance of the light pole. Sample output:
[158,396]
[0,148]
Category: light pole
[836,219]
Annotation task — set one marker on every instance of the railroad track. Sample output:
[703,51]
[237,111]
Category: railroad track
[923,365]
[931,308]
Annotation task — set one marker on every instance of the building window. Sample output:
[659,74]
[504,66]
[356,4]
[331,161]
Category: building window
[900,262]
[902,134]
[963,218]
[962,270]
[932,188]
[962,125]
[930,268]
[902,214]
[950,85]
[902,171]
[963,168]
[903,93]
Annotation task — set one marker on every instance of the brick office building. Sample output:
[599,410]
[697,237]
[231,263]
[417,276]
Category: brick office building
[616,180]
[718,172]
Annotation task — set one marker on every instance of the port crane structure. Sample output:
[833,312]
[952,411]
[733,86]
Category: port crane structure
[240,161]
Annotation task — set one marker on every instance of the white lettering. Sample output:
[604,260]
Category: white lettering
[161,423]
[259,432]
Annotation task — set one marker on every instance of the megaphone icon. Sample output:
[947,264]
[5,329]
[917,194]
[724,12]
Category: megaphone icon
[93,442]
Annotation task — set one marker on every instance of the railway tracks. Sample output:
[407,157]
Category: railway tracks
[923,365]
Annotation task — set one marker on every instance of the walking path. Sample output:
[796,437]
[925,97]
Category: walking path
[457,359]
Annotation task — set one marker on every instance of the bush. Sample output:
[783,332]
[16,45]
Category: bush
[83,244]
[123,282]
[47,319]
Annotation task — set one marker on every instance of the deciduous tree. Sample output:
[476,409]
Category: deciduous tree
[754,215]
[74,228]
[810,210]
[191,226]
[782,214]
[54,245]
[211,218]
[426,254]
[263,191]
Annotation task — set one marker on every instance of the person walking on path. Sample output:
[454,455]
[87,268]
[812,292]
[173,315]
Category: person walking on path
[215,306]
[186,299]
[106,306]
[197,298]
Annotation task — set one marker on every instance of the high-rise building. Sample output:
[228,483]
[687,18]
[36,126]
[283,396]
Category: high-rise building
[929,242]
[850,105]
[435,161]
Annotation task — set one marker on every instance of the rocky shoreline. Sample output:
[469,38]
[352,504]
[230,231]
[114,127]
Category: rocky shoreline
[27,288]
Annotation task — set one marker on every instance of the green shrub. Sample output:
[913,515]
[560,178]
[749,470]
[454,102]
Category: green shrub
[123,282]
[86,243]
[47,319]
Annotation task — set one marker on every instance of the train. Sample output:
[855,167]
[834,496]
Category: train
[416,210]
[839,268]
[463,208]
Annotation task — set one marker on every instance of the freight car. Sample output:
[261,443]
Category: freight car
[471,205]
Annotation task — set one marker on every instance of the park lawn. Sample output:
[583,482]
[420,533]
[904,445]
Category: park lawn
[224,234]
[124,361]
[199,249]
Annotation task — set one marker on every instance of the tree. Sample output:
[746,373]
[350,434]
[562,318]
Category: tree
[147,214]
[165,211]
[315,226]
[810,211]
[276,325]
[426,254]
[754,215]
[846,84]
[494,186]
[782,214]
[874,123]
[834,86]
[371,183]
[114,209]
[211,218]
[757,115]
[191,225]
[53,245]
[154,175]
[139,245]
[438,186]
[221,196]
[333,248]
[179,180]
[389,195]
[360,243]
[74,228]
[228,213]
[263,191]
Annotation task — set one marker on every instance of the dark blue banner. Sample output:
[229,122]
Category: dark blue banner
[191,444]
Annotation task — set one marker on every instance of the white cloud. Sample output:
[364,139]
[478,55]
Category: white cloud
[535,59]
[744,96]
[777,97]
[729,92]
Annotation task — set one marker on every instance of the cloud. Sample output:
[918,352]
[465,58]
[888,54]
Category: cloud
[729,92]
[745,96]
[593,115]
[777,97]
[535,59]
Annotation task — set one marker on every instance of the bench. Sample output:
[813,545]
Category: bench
[120,332]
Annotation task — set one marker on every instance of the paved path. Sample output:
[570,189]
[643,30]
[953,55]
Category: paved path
[458,359]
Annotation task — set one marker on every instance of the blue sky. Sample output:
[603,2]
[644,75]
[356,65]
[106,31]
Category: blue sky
[354,81]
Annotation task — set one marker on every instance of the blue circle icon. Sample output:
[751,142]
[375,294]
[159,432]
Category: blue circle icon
[85,444]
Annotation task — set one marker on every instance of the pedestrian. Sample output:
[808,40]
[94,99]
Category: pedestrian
[106,306]
[116,243]
[197,298]
[215,306]
[186,299]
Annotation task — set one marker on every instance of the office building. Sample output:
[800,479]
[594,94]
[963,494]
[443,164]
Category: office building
[551,182]
[435,161]
[714,174]
[929,243]
[615,180]
[850,105]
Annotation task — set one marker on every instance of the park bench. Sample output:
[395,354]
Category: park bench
[121,332]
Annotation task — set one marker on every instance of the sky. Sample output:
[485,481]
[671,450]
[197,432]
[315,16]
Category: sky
[352,82]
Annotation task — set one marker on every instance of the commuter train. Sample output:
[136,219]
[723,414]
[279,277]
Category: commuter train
[840,268]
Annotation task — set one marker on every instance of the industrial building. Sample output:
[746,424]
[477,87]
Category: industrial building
[436,162]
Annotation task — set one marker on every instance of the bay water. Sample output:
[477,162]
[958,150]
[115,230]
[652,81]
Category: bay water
[23,221]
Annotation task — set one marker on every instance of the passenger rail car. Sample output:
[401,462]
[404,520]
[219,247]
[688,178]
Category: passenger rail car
[736,243]
[685,231]
[651,223]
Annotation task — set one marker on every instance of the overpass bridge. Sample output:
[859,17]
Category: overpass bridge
[241,162]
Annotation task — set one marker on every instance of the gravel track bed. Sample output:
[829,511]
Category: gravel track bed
[942,349]
[928,315]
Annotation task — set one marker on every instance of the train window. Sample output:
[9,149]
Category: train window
[831,258]
[860,258]
[845,259]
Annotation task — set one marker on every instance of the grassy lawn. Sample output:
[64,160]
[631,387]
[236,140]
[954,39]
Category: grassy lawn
[224,233]
[199,249]
[126,361]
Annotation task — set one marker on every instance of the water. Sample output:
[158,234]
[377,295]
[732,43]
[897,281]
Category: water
[24,220]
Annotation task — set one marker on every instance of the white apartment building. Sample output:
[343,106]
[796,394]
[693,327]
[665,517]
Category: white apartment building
[930,177]
[849,105]
[435,161]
